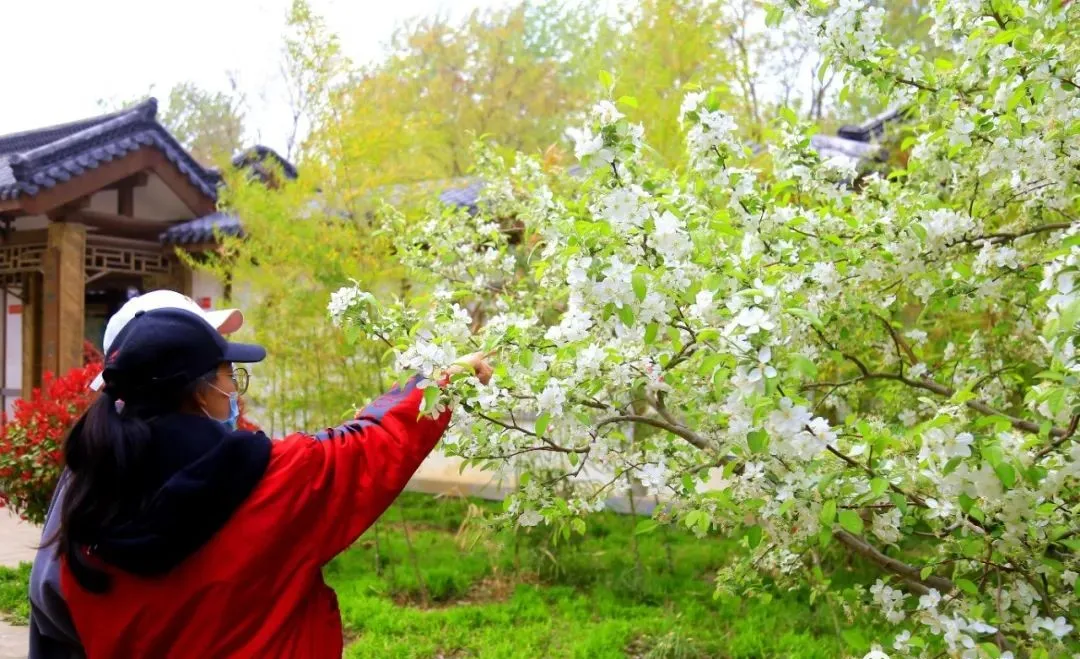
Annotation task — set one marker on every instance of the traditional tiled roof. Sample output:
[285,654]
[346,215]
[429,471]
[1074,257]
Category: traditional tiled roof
[831,147]
[256,158]
[464,196]
[872,128]
[41,159]
[203,230]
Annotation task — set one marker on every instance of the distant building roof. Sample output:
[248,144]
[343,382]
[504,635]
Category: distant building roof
[460,192]
[40,159]
[871,129]
[203,230]
[854,144]
[256,159]
[830,147]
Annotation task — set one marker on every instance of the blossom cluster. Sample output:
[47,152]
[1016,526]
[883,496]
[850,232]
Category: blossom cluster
[806,356]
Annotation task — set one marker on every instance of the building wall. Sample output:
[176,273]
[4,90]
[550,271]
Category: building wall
[12,337]
[207,290]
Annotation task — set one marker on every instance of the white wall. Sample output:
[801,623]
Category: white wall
[207,290]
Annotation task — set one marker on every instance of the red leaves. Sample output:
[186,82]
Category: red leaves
[31,441]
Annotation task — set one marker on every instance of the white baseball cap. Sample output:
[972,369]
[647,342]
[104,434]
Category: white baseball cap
[226,321]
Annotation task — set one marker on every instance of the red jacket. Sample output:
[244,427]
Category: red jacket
[255,588]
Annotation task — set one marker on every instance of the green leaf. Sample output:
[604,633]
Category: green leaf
[697,521]
[578,525]
[828,512]
[926,572]
[850,520]
[542,422]
[802,364]
[753,536]
[431,397]
[757,440]
[774,13]
[990,649]
[967,586]
[640,286]
[628,101]
[626,315]
[943,64]
[855,639]
[650,333]
[606,80]
[1007,474]
[647,526]
[1018,95]
[1071,543]
[808,317]
[878,486]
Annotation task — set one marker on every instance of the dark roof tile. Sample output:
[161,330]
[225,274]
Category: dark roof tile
[40,159]
[203,230]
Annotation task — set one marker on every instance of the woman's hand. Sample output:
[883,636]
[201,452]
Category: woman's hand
[476,363]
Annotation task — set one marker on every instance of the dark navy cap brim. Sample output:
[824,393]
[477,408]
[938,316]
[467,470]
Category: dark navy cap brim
[244,353]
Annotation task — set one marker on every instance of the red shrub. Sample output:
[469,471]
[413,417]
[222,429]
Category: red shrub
[31,441]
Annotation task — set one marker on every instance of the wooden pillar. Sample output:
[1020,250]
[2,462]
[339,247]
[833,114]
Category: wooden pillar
[31,333]
[63,297]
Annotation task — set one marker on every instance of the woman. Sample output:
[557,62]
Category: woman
[181,538]
[52,634]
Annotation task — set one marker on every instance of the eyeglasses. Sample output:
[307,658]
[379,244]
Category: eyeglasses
[241,378]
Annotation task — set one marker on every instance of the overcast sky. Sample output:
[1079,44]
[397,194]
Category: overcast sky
[62,56]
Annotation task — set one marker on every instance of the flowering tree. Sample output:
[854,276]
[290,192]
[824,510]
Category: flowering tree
[808,358]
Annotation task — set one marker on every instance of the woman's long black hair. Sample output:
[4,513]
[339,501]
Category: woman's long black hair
[107,454]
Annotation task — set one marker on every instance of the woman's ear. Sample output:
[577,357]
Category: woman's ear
[198,398]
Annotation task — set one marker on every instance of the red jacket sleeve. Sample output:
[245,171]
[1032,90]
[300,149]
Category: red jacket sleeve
[338,482]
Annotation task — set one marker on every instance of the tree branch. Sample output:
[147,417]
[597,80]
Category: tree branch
[851,358]
[1001,238]
[1069,432]
[908,573]
[675,429]
[901,344]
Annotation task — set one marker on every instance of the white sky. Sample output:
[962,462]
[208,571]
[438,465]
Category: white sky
[62,56]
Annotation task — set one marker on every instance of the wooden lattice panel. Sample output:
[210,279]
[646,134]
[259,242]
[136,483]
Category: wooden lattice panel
[127,256]
[20,258]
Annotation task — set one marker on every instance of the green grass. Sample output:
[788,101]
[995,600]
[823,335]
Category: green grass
[464,590]
[14,604]
[502,594]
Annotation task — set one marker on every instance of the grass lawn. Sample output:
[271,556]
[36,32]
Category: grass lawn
[14,605]
[465,591]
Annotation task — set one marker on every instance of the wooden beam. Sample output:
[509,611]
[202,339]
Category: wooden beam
[197,202]
[125,201]
[88,183]
[136,180]
[61,212]
[119,225]
[10,205]
[26,237]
